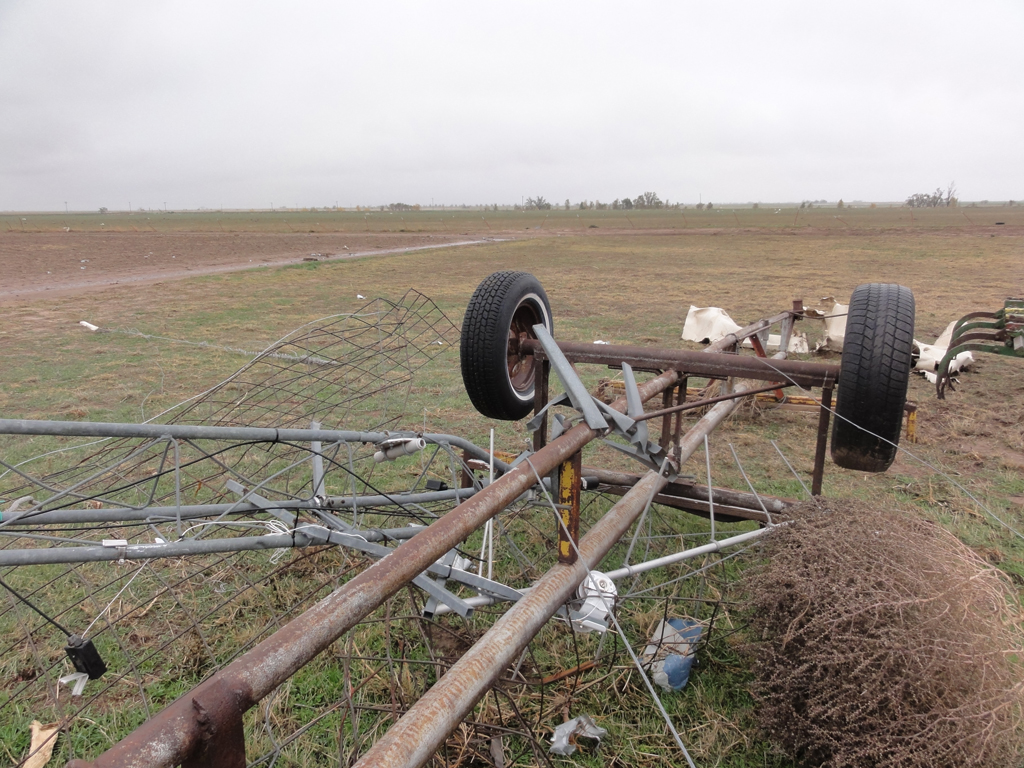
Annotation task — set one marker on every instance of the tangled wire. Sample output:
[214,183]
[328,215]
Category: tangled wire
[880,639]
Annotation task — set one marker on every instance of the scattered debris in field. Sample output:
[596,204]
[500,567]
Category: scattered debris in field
[568,734]
[671,652]
[44,737]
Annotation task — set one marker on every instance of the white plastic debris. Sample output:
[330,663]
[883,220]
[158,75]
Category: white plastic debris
[599,341]
[360,296]
[930,355]
[797,342]
[563,742]
[835,324]
[706,325]
[77,681]
[393,449]
[598,594]
[90,326]
[671,652]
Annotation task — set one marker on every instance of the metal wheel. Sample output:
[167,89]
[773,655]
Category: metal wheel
[498,375]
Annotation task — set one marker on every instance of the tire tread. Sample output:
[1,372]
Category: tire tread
[874,376]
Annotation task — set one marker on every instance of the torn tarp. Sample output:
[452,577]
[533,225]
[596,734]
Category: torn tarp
[567,734]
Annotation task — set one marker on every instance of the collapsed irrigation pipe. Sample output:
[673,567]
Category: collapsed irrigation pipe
[417,735]
[196,511]
[185,730]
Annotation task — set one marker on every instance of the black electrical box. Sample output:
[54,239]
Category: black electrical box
[85,657]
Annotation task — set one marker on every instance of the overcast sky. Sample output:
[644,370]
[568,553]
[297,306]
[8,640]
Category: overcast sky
[248,104]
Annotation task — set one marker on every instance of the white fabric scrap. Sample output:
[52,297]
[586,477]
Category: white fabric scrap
[706,325]
[930,355]
[562,743]
[77,681]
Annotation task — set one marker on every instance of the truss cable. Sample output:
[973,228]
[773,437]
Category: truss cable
[610,609]
[798,478]
[916,458]
[122,589]
[750,485]
[14,592]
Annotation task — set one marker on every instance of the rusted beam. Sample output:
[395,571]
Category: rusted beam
[677,429]
[666,421]
[714,365]
[540,400]
[724,513]
[695,498]
[709,401]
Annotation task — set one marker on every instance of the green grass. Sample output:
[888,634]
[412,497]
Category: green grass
[633,286]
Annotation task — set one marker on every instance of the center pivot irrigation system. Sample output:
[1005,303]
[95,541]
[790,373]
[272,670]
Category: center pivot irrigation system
[248,468]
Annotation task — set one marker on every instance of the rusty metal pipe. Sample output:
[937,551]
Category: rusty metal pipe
[414,739]
[173,735]
[694,491]
[714,364]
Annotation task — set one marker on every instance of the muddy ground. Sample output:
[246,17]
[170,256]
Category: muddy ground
[37,265]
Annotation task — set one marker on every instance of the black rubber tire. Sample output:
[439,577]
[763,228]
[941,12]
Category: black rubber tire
[873,378]
[503,310]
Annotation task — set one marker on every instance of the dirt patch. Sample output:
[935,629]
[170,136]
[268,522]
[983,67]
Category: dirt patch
[35,265]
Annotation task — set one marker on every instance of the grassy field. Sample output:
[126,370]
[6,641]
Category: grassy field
[848,219]
[610,276]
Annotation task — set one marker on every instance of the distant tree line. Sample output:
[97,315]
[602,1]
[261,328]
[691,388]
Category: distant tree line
[937,199]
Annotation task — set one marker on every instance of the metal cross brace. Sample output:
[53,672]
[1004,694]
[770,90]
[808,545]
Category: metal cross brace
[598,415]
[353,541]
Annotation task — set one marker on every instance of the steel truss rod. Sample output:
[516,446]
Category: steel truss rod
[306,535]
[193,511]
[687,554]
[9,557]
[649,565]
[175,734]
[414,739]
[241,434]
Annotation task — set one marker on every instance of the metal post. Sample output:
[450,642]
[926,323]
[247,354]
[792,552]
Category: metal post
[540,398]
[666,420]
[677,429]
[824,416]
[569,507]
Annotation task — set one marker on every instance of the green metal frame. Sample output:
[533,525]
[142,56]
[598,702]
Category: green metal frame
[1000,333]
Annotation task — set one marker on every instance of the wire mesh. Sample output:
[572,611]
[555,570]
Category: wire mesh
[164,625]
